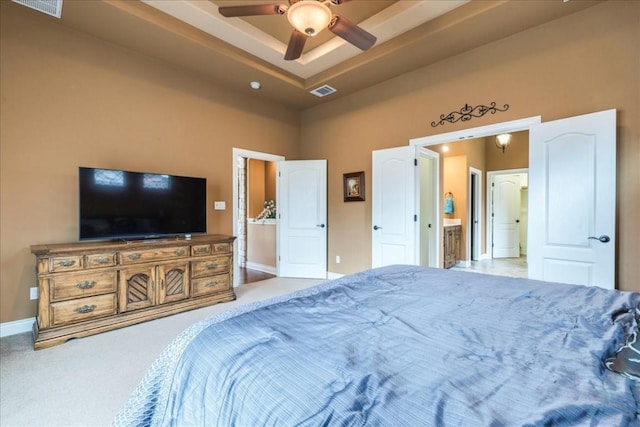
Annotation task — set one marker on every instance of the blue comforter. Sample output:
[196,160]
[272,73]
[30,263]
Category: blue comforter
[400,346]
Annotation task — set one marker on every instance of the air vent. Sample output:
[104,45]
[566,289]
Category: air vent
[50,7]
[323,91]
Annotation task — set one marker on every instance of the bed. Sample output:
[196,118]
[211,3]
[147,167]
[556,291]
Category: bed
[402,346]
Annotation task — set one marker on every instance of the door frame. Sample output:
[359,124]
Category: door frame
[434,247]
[490,176]
[247,154]
[475,210]
[478,132]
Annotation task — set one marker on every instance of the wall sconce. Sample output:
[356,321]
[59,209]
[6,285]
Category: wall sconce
[502,141]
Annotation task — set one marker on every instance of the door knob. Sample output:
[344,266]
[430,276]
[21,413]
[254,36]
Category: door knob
[375,227]
[604,238]
[320,225]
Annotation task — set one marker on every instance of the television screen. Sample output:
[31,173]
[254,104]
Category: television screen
[119,204]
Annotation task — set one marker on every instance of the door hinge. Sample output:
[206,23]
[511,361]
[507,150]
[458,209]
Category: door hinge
[415,162]
[415,218]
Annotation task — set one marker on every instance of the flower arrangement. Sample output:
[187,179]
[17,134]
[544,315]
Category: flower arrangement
[269,210]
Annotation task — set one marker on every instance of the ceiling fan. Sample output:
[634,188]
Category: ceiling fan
[308,18]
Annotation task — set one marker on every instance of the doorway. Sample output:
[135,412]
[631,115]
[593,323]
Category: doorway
[507,211]
[477,235]
[241,203]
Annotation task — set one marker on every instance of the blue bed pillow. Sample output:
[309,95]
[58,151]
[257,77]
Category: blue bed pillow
[627,359]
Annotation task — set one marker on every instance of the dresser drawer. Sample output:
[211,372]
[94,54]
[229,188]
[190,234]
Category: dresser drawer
[107,259]
[82,309]
[66,286]
[65,263]
[221,247]
[200,250]
[160,254]
[210,267]
[208,285]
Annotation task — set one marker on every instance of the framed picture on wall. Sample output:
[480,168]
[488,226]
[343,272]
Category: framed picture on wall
[353,186]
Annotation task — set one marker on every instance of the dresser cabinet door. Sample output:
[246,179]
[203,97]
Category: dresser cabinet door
[174,282]
[137,288]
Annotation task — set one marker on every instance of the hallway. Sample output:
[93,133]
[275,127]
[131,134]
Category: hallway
[511,267]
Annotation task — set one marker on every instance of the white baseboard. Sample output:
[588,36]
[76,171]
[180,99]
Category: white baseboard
[16,327]
[464,263]
[261,267]
[332,276]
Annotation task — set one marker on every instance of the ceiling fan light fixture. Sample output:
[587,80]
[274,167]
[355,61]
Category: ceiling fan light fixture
[309,16]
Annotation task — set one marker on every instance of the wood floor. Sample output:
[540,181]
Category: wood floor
[247,275]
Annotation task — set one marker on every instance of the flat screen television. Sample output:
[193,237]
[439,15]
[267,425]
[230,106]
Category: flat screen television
[117,204]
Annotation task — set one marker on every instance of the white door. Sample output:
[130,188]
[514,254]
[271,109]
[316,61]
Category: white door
[302,218]
[394,213]
[506,216]
[572,197]
[429,207]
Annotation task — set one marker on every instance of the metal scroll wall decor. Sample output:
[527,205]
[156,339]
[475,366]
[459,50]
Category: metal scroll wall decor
[468,112]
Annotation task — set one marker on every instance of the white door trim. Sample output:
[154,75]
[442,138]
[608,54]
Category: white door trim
[479,132]
[478,213]
[434,247]
[239,152]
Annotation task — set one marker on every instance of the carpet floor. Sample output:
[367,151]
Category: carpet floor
[85,382]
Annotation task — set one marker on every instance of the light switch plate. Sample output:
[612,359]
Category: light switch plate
[219,206]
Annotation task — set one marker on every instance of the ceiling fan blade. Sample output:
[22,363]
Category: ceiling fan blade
[296,44]
[339,2]
[349,31]
[252,10]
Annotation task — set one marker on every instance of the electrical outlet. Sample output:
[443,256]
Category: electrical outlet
[337,259]
[33,293]
[219,205]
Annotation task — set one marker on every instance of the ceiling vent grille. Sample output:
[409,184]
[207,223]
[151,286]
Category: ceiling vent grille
[323,91]
[50,7]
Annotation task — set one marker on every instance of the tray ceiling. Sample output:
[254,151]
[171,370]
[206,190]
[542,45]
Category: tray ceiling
[235,51]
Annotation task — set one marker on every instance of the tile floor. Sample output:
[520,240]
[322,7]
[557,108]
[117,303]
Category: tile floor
[511,267]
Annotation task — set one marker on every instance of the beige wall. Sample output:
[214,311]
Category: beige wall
[583,63]
[261,243]
[68,100]
[71,100]
[255,189]
[262,185]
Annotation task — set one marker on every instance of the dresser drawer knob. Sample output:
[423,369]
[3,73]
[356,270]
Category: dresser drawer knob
[67,262]
[86,284]
[202,250]
[134,257]
[212,266]
[221,248]
[86,309]
[211,284]
[102,260]
[179,252]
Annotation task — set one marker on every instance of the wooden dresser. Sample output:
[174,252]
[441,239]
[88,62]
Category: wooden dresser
[91,287]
